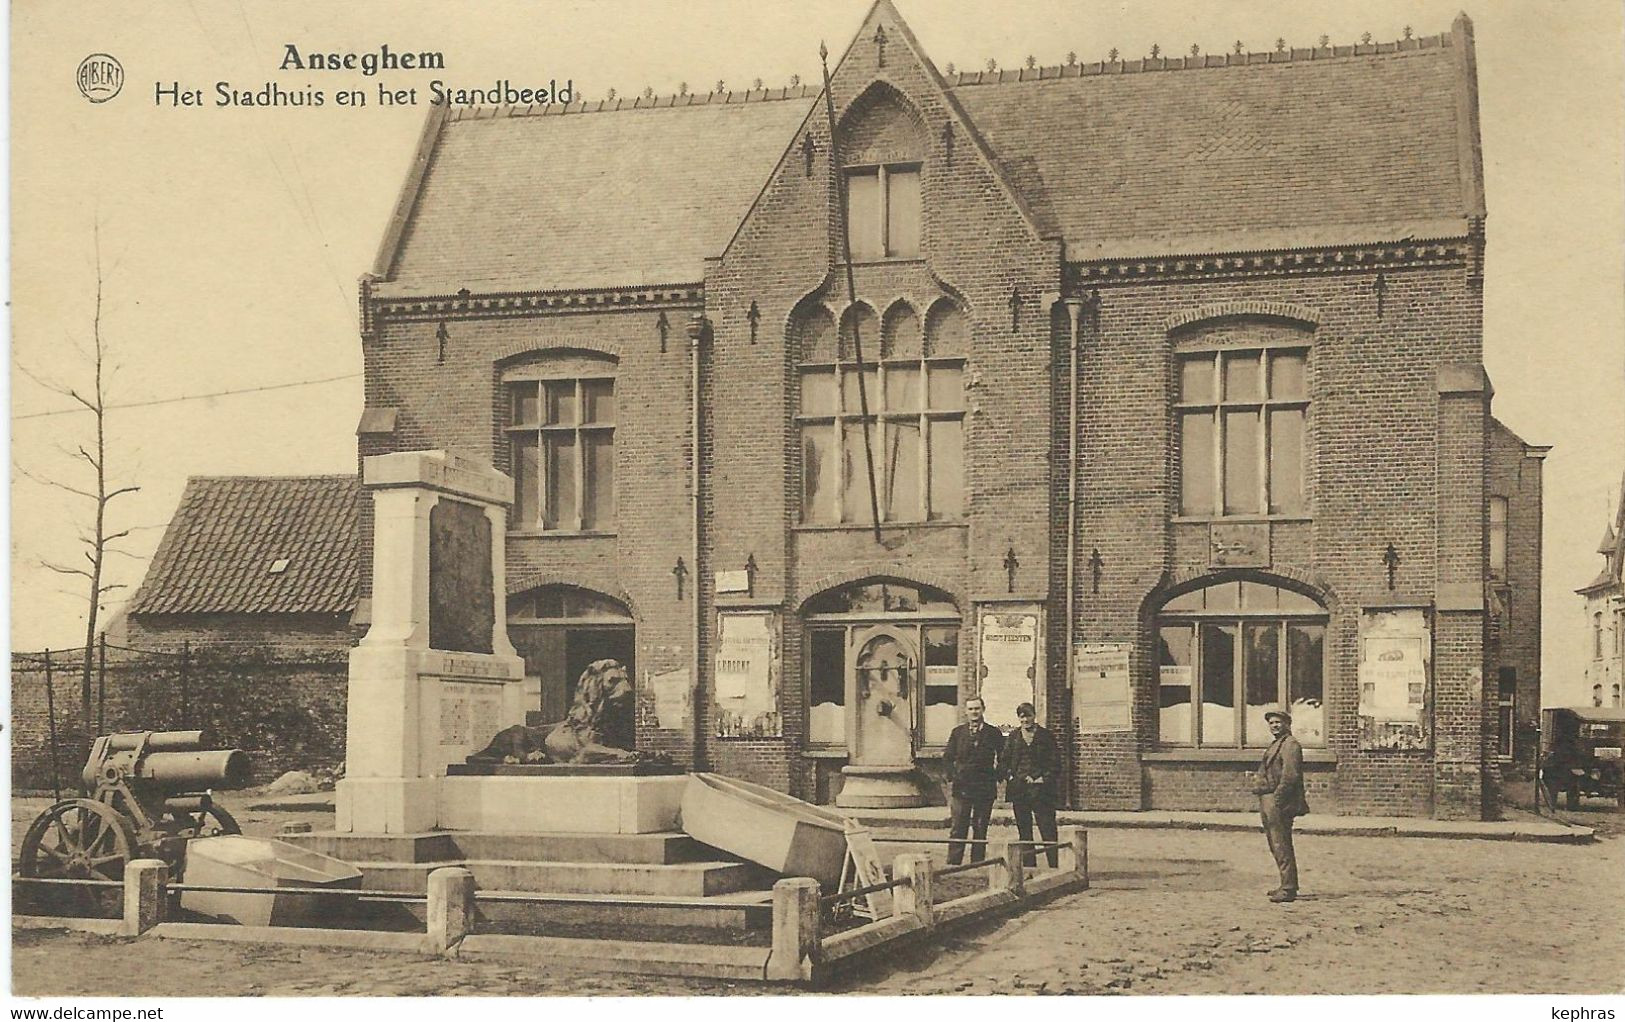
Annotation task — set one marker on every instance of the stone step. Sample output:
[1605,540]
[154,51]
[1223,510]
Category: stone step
[447,846]
[682,879]
[737,912]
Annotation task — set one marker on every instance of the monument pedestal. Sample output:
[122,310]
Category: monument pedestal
[436,677]
[882,787]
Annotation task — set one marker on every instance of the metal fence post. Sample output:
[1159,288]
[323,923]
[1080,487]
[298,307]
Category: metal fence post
[914,898]
[451,908]
[796,940]
[145,891]
[1009,875]
[50,722]
[101,684]
[186,696]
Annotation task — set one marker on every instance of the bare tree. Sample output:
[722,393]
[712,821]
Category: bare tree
[98,542]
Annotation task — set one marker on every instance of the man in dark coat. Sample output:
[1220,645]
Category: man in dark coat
[971,764]
[1031,767]
[1278,783]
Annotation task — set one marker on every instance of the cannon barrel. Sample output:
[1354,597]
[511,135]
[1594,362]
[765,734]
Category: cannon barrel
[189,771]
[157,741]
[173,772]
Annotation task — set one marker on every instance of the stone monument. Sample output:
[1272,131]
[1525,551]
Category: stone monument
[436,678]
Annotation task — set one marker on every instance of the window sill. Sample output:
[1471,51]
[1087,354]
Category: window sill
[561,534]
[889,261]
[826,752]
[869,527]
[1237,519]
[1192,755]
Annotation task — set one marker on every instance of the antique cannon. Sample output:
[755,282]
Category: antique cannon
[146,794]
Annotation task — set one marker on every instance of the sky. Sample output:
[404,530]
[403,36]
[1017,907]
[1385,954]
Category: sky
[230,239]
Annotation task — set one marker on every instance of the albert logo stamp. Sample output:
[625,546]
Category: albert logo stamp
[100,77]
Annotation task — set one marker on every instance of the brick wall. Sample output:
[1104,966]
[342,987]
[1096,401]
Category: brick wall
[1515,473]
[284,706]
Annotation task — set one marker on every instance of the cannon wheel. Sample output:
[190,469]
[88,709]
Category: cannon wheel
[78,839]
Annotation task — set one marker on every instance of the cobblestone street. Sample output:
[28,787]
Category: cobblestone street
[1171,912]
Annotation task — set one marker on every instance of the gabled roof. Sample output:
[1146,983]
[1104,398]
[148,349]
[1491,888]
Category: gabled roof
[1298,148]
[626,196]
[258,545]
[1157,158]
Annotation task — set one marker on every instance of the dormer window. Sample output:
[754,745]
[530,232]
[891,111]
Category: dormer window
[883,212]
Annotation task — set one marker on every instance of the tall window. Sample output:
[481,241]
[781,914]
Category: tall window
[1241,431]
[1498,537]
[915,426]
[1596,636]
[1228,652]
[562,439]
[883,212]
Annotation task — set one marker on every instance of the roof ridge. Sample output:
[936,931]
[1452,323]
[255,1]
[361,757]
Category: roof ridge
[299,475]
[1200,61]
[677,100]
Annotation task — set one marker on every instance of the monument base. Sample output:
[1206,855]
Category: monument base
[644,769]
[386,805]
[882,787]
[569,803]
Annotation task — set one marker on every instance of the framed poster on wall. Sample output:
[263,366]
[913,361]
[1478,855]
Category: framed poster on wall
[747,678]
[1008,639]
[1396,704]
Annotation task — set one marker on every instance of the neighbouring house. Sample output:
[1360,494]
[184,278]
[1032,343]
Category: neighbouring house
[1605,616]
[1148,391]
[270,560]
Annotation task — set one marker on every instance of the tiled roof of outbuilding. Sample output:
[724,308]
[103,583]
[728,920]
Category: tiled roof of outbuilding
[230,532]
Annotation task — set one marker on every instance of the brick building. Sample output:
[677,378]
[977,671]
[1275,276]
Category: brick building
[1605,617]
[1163,379]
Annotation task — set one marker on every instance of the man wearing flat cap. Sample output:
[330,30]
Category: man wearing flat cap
[1278,783]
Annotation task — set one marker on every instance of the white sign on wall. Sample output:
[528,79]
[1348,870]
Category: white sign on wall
[1007,643]
[671,697]
[747,669]
[1395,649]
[1103,691]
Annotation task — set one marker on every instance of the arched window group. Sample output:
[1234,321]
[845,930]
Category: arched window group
[903,405]
[1229,651]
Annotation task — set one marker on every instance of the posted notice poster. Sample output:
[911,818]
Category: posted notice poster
[1102,691]
[1008,645]
[747,676]
[1395,649]
[672,698]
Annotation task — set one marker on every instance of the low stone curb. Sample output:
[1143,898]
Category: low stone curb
[936,818]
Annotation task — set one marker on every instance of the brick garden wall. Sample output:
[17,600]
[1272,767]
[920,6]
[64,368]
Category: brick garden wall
[284,707]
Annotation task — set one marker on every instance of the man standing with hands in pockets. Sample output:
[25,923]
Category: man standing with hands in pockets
[1278,783]
[971,763]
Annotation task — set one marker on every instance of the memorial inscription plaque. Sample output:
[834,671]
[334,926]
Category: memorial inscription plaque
[462,606]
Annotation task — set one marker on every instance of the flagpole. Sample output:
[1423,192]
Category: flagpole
[851,293]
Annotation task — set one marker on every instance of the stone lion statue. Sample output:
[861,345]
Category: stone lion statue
[601,714]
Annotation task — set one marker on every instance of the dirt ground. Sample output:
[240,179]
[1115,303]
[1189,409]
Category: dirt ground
[1171,912]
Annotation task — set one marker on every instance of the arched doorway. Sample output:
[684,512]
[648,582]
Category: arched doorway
[559,630]
[882,683]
